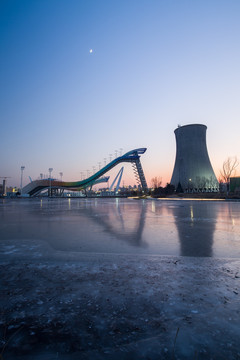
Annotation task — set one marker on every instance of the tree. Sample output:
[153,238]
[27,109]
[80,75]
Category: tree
[156,182]
[169,189]
[229,168]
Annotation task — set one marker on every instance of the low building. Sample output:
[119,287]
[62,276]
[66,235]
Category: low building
[235,184]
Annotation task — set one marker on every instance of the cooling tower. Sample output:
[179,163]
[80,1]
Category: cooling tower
[193,170]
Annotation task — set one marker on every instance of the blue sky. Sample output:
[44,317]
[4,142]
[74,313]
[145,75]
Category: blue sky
[154,65]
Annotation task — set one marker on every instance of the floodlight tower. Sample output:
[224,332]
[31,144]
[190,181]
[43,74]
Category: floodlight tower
[22,168]
[193,170]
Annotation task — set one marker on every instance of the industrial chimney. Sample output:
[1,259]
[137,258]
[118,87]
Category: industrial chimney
[193,170]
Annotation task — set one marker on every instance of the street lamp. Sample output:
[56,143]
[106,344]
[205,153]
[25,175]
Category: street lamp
[61,175]
[50,190]
[22,168]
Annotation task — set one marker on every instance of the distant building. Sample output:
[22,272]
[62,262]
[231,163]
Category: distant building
[193,171]
[235,184]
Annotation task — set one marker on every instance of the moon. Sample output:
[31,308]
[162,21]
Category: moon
[91,50]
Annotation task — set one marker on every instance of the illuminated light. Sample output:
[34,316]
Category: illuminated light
[191,211]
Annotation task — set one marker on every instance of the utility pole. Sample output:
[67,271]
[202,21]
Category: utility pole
[50,190]
[22,168]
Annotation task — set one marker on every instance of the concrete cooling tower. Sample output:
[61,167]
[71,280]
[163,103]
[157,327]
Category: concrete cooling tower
[193,170]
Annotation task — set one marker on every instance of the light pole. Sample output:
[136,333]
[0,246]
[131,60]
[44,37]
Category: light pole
[61,175]
[22,168]
[50,190]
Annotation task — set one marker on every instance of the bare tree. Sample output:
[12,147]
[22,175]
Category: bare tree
[156,182]
[229,168]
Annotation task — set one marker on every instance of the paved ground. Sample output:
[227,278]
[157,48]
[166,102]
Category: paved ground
[121,307]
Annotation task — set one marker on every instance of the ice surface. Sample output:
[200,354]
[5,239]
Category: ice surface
[64,228]
[64,297]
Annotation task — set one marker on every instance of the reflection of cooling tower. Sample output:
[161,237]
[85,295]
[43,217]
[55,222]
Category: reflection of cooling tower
[193,170]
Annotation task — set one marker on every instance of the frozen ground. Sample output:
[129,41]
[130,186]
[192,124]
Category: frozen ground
[121,307]
[59,301]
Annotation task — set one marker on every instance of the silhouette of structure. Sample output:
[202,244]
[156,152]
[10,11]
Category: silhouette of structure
[193,171]
[55,186]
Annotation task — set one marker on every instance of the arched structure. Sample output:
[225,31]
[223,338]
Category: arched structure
[133,156]
[193,170]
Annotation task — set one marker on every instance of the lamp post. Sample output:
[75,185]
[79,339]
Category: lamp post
[22,168]
[50,190]
[61,175]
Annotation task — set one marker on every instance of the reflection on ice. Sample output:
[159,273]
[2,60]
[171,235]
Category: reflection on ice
[48,227]
[195,226]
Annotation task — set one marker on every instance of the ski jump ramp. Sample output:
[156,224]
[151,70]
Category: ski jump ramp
[35,187]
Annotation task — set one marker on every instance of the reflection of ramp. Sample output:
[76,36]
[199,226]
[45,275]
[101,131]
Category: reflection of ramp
[132,156]
[114,222]
[121,220]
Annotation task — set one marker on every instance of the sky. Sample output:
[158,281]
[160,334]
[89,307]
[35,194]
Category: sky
[81,79]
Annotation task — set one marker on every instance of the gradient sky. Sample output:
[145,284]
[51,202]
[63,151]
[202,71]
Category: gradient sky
[155,64]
